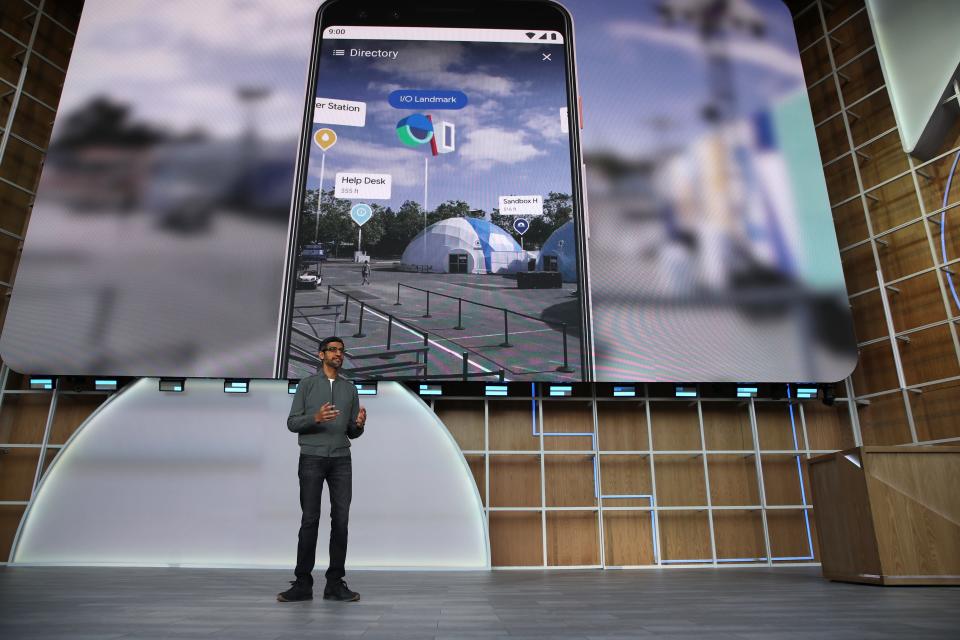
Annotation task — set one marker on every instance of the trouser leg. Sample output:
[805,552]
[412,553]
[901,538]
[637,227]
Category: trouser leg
[311,473]
[340,483]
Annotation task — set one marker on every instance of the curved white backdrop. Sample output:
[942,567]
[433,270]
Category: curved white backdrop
[204,478]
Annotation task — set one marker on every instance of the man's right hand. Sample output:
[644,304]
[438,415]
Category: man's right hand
[327,412]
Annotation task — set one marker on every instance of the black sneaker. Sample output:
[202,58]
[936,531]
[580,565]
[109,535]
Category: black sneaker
[340,591]
[296,593]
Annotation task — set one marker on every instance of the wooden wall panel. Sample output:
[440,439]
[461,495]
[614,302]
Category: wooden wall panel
[876,370]
[622,426]
[869,320]
[675,426]
[733,480]
[788,533]
[511,426]
[815,61]
[775,428]
[830,136]
[849,220]
[17,468]
[916,302]
[680,481]
[23,418]
[930,355]
[828,427]
[514,481]
[907,251]
[572,538]
[859,269]
[851,38]
[841,179]
[884,420]
[569,481]
[567,417]
[71,411]
[931,189]
[865,76]
[824,103]
[881,159]
[739,535]
[874,115]
[684,535]
[894,203]
[628,538]
[479,471]
[726,426]
[516,539]
[625,475]
[781,480]
[464,420]
[9,521]
[936,411]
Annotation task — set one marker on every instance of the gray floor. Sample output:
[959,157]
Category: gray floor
[77,603]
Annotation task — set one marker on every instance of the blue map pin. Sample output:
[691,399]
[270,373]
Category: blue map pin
[521,225]
[361,213]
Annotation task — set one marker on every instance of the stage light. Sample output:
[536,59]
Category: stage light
[292,386]
[561,390]
[105,385]
[236,386]
[746,392]
[366,388]
[685,392]
[805,393]
[624,392]
[175,385]
[431,390]
[495,390]
[44,384]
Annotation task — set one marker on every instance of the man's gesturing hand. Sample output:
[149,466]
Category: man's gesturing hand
[327,412]
[362,417]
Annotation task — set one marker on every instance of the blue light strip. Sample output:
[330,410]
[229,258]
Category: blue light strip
[561,390]
[235,387]
[683,392]
[495,390]
[43,383]
[431,390]
[105,385]
[803,495]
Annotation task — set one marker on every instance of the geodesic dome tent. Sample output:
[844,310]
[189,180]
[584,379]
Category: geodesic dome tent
[561,250]
[468,245]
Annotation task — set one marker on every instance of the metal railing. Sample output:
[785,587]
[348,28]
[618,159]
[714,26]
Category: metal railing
[564,368]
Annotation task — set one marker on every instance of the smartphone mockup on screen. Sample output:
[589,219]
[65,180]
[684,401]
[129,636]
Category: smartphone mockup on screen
[437,222]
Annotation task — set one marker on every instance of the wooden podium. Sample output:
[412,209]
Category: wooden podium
[889,515]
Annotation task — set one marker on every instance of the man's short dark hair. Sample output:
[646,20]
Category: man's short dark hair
[327,341]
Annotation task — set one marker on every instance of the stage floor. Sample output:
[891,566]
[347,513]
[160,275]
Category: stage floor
[105,603]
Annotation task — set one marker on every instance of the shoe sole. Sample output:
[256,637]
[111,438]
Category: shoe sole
[282,599]
[355,599]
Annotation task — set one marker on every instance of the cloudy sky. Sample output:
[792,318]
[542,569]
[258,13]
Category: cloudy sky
[179,64]
[509,139]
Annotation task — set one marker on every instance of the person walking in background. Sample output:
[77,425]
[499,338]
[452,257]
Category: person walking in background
[365,272]
[326,414]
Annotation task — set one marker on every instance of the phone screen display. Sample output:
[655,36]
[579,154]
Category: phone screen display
[438,216]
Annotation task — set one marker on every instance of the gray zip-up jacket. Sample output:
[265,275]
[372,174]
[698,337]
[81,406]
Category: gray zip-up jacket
[331,438]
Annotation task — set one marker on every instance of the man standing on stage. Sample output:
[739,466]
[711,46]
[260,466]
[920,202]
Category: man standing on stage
[326,414]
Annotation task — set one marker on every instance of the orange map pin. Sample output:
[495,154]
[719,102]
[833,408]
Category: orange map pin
[325,138]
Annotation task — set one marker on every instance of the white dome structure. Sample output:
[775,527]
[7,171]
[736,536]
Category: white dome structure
[464,245]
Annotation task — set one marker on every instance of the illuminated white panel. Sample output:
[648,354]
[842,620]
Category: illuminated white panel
[920,55]
[204,478]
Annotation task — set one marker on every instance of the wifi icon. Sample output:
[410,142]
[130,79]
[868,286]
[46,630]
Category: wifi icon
[530,35]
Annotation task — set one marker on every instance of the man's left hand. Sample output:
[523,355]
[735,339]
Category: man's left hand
[362,417]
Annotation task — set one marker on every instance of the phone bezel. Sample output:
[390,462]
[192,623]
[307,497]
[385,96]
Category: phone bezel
[498,14]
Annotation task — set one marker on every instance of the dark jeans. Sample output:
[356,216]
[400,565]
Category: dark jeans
[338,472]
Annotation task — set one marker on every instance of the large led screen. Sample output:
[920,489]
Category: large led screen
[161,240]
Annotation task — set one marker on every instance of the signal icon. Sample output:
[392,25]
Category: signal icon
[530,35]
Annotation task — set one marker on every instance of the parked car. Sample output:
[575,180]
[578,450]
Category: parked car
[308,280]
